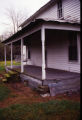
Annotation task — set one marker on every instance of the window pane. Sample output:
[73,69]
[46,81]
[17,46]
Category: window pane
[73,53]
[60,9]
[73,46]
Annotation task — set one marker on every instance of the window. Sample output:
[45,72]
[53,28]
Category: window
[73,47]
[29,53]
[60,15]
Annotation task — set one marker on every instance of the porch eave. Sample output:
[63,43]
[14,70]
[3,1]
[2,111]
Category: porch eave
[48,24]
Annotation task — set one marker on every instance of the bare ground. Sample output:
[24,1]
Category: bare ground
[22,94]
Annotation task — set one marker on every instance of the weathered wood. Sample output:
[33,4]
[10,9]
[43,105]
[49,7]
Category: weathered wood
[64,86]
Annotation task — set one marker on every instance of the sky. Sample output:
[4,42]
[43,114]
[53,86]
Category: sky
[29,6]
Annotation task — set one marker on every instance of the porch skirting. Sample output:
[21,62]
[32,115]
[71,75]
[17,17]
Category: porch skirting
[62,81]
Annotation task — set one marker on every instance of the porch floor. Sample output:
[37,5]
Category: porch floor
[51,74]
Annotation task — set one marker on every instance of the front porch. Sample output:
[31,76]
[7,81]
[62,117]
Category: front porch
[51,74]
[50,53]
[34,74]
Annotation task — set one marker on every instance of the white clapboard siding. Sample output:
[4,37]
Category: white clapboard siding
[36,56]
[71,11]
[74,67]
[57,54]
[49,13]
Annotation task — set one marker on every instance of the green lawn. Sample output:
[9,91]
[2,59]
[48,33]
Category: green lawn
[52,110]
[2,63]
[4,92]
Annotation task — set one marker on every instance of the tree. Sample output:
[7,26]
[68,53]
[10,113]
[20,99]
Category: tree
[15,18]
[2,52]
[6,34]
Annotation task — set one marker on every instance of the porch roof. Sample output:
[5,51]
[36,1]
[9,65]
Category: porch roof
[37,22]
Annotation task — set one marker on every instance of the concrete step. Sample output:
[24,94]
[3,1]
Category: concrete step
[43,89]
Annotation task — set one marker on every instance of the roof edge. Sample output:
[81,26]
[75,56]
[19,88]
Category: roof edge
[50,3]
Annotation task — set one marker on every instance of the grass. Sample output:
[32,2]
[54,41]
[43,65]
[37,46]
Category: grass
[2,63]
[52,110]
[4,92]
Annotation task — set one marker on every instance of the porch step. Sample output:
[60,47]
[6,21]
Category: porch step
[43,89]
[32,82]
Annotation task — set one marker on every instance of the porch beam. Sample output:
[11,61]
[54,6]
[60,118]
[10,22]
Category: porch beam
[5,55]
[11,56]
[22,66]
[25,35]
[43,53]
[62,27]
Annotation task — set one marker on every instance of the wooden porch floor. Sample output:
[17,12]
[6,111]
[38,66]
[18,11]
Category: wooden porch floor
[51,74]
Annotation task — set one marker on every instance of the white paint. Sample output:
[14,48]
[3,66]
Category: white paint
[62,27]
[22,66]
[57,54]
[24,52]
[36,54]
[51,13]
[70,8]
[11,56]
[43,53]
[75,66]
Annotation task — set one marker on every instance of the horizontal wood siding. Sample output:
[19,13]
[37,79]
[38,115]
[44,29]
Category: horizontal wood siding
[75,66]
[36,56]
[50,13]
[58,53]
[71,9]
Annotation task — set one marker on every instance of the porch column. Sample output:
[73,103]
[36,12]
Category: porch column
[11,56]
[22,66]
[5,54]
[43,53]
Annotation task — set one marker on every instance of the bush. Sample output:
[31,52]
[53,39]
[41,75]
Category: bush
[13,77]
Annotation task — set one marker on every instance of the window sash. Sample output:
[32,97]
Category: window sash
[73,54]
[60,9]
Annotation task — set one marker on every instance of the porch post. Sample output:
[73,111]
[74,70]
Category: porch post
[43,53]
[5,54]
[11,56]
[22,66]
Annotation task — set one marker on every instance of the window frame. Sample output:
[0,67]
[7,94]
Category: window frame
[29,53]
[59,9]
[73,46]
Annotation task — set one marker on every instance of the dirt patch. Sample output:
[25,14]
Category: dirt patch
[21,94]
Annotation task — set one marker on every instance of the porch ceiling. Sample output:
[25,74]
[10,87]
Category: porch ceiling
[35,23]
[34,38]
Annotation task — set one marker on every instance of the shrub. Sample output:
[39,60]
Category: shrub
[13,77]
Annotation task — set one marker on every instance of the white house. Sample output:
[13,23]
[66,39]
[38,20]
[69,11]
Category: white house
[51,37]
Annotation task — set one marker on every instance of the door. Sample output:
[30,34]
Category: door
[46,58]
